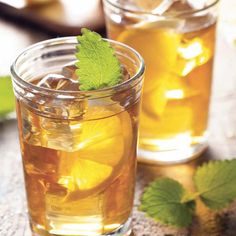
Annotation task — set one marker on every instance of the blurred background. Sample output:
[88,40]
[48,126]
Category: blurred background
[23,22]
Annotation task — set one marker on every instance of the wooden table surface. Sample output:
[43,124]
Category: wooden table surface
[222,143]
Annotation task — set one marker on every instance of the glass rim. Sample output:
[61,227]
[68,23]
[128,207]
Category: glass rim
[180,13]
[69,40]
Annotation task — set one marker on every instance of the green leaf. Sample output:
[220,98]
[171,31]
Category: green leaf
[215,182]
[163,201]
[7,100]
[97,64]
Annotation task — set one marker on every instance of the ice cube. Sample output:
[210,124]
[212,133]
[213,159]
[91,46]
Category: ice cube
[178,6]
[62,216]
[155,20]
[52,81]
[62,134]
[69,71]
[151,23]
[70,85]
[125,73]
[31,127]
[58,82]
[191,54]
[199,4]
[57,133]
[147,5]
[163,7]
[191,49]
[154,6]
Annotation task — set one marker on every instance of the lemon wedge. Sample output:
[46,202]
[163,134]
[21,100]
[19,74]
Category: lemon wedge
[159,48]
[104,140]
[83,177]
[89,174]
[103,145]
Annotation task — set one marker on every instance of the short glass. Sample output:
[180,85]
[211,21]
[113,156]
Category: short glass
[178,49]
[78,147]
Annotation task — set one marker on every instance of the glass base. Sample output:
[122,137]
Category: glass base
[173,156]
[124,230]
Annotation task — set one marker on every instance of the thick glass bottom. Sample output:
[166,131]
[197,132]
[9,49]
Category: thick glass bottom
[180,149]
[123,230]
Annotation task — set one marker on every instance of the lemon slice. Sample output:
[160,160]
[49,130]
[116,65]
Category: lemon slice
[89,174]
[154,103]
[105,140]
[83,177]
[103,146]
[159,48]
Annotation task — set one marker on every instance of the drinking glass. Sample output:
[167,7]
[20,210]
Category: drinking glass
[176,39]
[78,147]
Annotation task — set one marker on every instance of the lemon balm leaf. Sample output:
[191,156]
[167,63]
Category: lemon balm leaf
[163,201]
[168,202]
[7,101]
[215,182]
[98,67]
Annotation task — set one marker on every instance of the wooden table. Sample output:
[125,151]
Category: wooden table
[222,144]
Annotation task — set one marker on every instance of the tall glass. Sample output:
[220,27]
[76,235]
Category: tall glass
[78,147]
[176,40]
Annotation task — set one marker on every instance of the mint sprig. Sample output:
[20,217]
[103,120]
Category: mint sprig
[98,67]
[7,100]
[167,201]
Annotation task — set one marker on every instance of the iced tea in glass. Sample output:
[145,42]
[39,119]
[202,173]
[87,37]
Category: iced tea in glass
[78,147]
[176,39]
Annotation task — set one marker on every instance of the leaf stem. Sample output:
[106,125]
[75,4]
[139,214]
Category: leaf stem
[189,197]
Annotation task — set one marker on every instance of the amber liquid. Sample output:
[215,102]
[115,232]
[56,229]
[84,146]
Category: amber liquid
[79,173]
[177,83]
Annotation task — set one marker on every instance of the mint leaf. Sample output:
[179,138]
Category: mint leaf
[215,182]
[97,64]
[163,201]
[7,100]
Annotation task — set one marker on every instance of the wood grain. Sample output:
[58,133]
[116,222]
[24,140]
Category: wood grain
[222,139]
